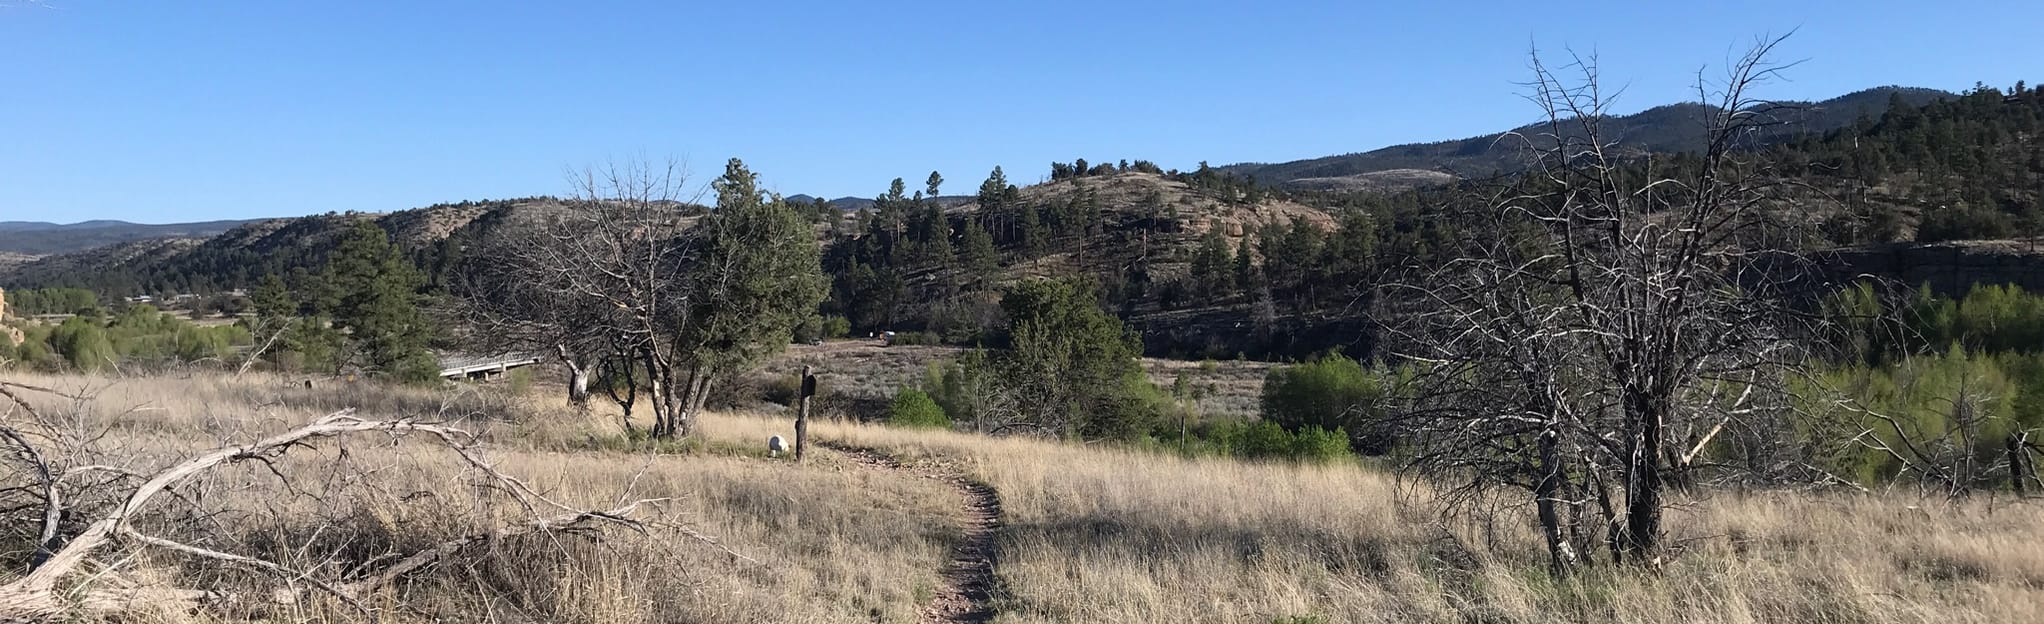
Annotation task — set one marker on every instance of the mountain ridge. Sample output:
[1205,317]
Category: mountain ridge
[42,238]
[1658,129]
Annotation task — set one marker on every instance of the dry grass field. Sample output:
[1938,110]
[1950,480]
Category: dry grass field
[1086,534]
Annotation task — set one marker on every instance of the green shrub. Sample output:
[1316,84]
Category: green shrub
[915,339]
[1313,444]
[835,326]
[1331,392]
[913,408]
[84,344]
[34,353]
[961,385]
[418,369]
[1267,440]
[1264,440]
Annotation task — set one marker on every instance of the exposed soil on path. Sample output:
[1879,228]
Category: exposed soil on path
[965,588]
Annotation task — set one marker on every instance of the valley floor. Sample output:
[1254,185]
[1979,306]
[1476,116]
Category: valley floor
[1080,534]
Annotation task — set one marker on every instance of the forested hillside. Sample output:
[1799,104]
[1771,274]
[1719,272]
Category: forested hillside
[1971,167]
[1206,262]
[240,257]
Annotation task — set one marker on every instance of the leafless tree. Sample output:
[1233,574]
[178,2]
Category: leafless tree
[1605,318]
[596,280]
[656,294]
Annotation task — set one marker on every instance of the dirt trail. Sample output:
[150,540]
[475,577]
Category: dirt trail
[966,585]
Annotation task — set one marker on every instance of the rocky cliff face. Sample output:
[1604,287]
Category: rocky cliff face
[1949,268]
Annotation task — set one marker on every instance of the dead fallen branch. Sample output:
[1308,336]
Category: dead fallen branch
[47,591]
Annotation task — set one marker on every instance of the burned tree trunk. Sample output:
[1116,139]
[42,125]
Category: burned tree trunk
[1643,482]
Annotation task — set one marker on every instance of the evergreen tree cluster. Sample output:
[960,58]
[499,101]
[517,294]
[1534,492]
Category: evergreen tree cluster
[1964,168]
[362,310]
[1079,168]
[33,301]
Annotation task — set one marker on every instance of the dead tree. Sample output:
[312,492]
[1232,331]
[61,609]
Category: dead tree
[92,518]
[659,295]
[1603,318]
[598,280]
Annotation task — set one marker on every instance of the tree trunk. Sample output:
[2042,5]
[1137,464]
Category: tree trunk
[2016,471]
[1546,493]
[1643,483]
[578,382]
[699,392]
[1612,528]
[658,394]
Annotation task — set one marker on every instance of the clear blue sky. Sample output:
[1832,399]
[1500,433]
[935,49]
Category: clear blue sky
[178,111]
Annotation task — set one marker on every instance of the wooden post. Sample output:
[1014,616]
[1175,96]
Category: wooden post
[802,413]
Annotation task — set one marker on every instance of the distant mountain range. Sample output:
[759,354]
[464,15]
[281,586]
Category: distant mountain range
[1662,129]
[38,238]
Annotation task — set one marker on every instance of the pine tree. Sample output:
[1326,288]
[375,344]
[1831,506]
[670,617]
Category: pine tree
[1245,267]
[1350,254]
[761,276]
[976,249]
[1034,235]
[376,303]
[934,232]
[1212,265]
[992,201]
[272,300]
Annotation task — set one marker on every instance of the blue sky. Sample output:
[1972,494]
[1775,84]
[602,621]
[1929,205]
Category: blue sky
[180,111]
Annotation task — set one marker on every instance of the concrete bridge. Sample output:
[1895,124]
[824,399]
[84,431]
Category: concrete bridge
[483,368]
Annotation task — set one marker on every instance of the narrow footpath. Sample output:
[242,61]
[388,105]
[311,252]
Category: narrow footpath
[965,588]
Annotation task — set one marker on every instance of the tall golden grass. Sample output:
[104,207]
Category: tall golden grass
[1107,535]
[1089,534]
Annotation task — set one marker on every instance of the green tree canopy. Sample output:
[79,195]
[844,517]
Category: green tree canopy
[1070,362]
[375,301]
[757,277]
